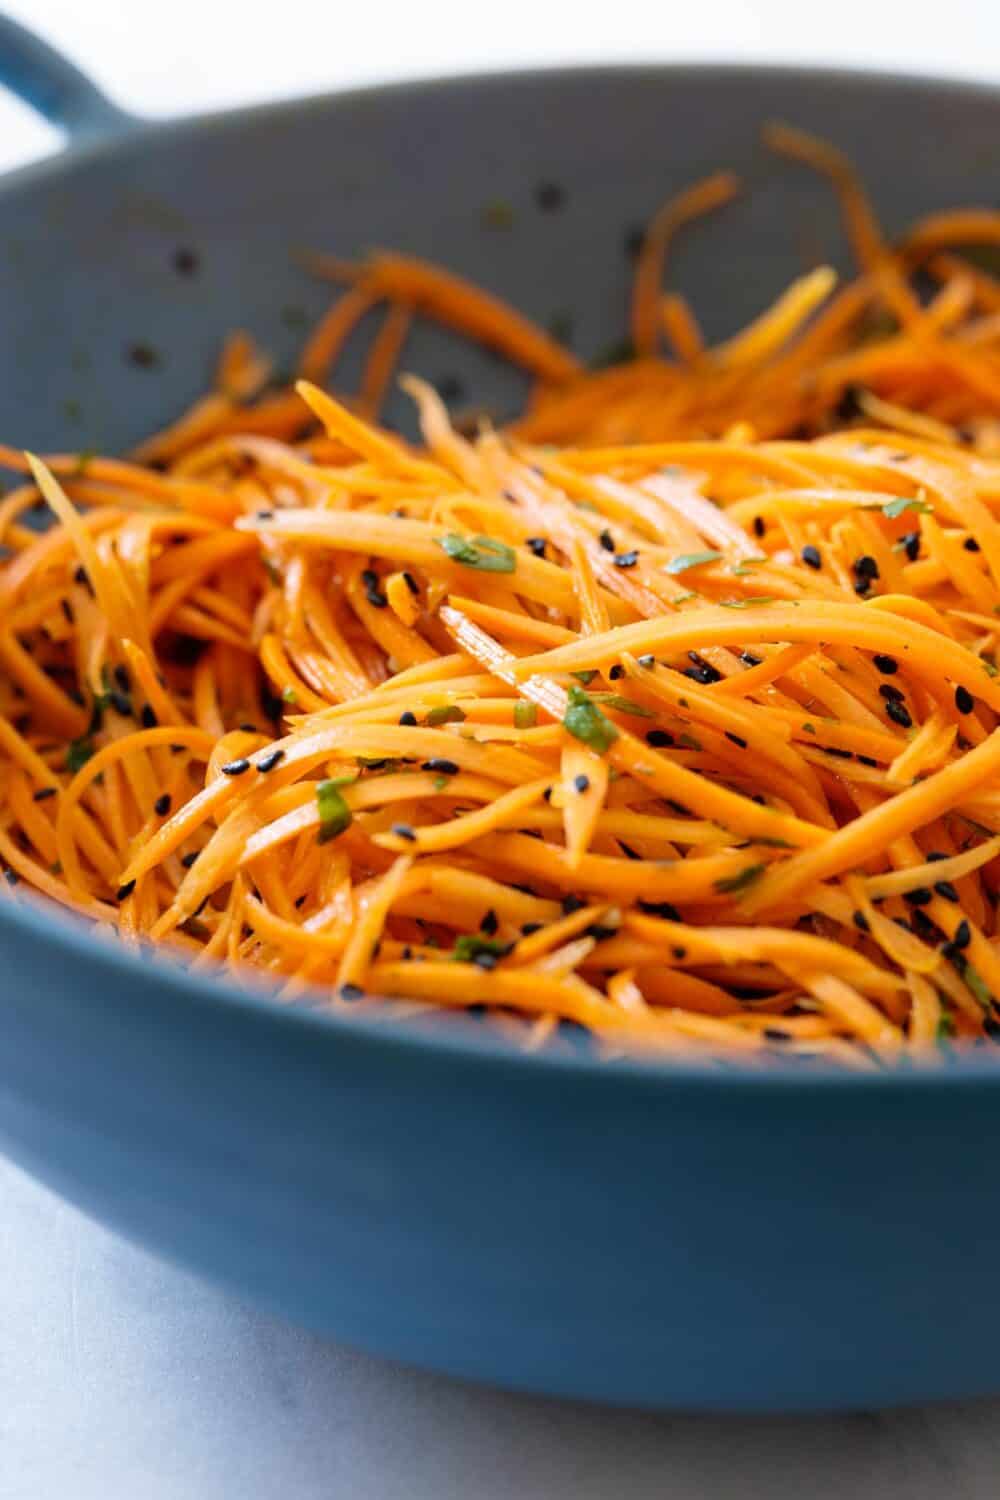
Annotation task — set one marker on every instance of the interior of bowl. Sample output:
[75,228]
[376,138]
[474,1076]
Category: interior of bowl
[124,265]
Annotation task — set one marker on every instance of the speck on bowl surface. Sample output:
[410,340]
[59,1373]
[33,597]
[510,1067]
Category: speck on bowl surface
[632,1233]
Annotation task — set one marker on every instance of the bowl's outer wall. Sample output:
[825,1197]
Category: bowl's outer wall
[618,1233]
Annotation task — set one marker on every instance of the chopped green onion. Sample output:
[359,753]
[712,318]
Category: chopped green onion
[584,721]
[445,713]
[525,716]
[482,552]
[289,695]
[334,813]
[585,677]
[747,603]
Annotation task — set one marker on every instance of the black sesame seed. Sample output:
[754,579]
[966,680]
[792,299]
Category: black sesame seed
[441,766]
[749,660]
[964,700]
[528,928]
[490,923]
[570,904]
[264,515]
[143,356]
[758,526]
[921,896]
[269,761]
[122,678]
[404,831]
[188,859]
[970,544]
[935,855]
[659,738]
[849,405]
[536,544]
[736,739]
[891,692]
[43,794]
[776,1034]
[679,953]
[861,922]
[867,760]
[811,556]
[962,936]
[887,665]
[450,387]
[628,851]
[125,890]
[581,783]
[236,767]
[836,752]
[946,889]
[626,559]
[550,197]
[607,541]
[911,545]
[616,672]
[633,240]
[148,717]
[647,661]
[162,805]
[899,714]
[662,909]
[185,261]
[411,583]
[408,719]
[351,992]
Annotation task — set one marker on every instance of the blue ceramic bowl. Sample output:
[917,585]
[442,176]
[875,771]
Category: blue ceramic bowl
[699,1238]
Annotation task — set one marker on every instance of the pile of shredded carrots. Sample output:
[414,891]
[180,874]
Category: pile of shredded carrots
[647,713]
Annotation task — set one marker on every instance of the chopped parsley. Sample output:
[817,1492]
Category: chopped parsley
[585,722]
[334,813]
[483,552]
[688,560]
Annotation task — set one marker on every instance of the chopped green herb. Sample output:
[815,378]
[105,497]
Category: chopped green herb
[498,214]
[482,552]
[945,1026]
[730,885]
[747,603]
[79,752]
[289,695]
[473,945]
[525,716]
[623,705]
[691,560]
[747,565]
[809,728]
[445,713]
[439,783]
[334,813]
[900,505]
[584,721]
[975,982]
[585,677]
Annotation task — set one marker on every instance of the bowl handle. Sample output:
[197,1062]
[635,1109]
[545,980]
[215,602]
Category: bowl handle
[54,86]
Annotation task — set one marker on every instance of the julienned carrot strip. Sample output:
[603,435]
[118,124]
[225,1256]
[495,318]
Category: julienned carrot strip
[549,729]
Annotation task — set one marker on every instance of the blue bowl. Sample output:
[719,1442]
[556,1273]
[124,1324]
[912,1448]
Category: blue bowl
[698,1237]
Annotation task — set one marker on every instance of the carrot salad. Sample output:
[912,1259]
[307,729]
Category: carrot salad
[670,710]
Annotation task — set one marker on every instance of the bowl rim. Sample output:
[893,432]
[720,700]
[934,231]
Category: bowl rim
[69,938]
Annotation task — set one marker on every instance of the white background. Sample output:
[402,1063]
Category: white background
[181,55]
[120,1377]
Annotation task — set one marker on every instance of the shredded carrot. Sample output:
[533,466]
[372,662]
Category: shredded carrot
[671,710]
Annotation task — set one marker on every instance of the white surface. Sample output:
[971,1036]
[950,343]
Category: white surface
[120,1377]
